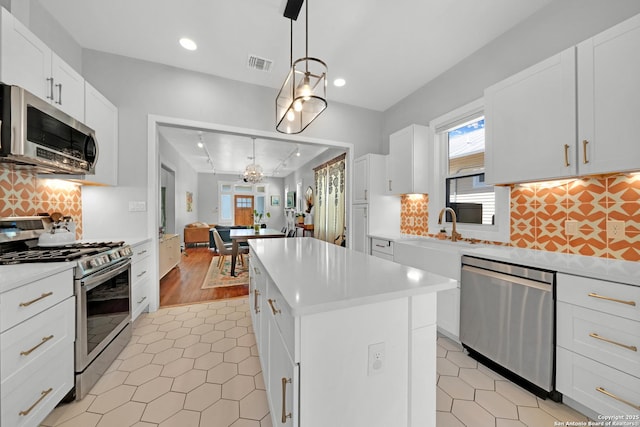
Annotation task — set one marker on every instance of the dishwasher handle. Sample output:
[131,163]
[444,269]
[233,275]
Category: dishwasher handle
[546,287]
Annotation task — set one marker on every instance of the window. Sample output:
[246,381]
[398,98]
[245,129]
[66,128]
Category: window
[466,193]
[482,211]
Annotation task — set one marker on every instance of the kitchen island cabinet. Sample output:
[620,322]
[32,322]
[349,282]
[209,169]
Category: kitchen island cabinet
[356,328]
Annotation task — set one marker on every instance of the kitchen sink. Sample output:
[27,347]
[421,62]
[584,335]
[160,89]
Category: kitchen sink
[433,255]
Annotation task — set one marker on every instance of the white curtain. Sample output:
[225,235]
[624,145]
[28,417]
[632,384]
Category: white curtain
[329,219]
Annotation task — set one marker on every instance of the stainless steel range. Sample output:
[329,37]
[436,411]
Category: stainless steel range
[102,285]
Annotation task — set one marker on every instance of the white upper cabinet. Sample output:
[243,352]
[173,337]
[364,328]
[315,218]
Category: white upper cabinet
[102,116]
[609,100]
[407,162]
[531,123]
[28,62]
[532,117]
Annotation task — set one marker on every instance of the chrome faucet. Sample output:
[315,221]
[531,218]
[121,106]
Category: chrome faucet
[455,236]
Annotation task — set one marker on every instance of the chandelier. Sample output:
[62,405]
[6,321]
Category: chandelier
[304,92]
[253,173]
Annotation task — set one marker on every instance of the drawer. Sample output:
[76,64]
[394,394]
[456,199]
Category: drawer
[382,255]
[281,313]
[140,270]
[29,344]
[609,297]
[26,301]
[140,297]
[608,339]
[141,251]
[580,379]
[380,245]
[29,390]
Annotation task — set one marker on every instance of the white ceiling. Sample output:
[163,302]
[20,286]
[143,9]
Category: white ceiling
[384,49]
[230,154]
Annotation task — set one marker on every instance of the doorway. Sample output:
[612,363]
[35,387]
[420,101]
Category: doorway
[243,209]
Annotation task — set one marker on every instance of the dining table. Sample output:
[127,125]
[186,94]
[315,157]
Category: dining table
[243,234]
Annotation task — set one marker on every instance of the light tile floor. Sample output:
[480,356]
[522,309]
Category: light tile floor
[197,366]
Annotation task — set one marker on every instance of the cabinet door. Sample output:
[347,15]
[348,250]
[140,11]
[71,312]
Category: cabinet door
[102,116]
[609,100]
[26,60]
[282,381]
[68,88]
[531,123]
[360,229]
[361,180]
[449,312]
[400,161]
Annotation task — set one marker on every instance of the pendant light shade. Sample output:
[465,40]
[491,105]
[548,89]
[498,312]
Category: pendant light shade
[303,95]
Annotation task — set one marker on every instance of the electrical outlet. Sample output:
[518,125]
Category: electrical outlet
[411,221]
[571,227]
[376,361]
[615,229]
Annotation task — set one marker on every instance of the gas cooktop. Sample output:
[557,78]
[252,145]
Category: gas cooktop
[63,253]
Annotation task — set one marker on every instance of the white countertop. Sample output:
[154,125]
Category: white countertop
[13,276]
[314,276]
[587,266]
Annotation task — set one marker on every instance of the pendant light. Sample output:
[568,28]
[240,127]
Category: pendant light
[304,92]
[253,173]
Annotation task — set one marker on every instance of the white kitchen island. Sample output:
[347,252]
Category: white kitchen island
[344,339]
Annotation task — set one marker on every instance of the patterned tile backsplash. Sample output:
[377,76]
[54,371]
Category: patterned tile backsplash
[539,213]
[22,193]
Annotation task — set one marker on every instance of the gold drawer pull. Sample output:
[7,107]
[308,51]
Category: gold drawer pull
[594,295]
[43,296]
[566,155]
[256,293]
[28,352]
[619,399]
[142,252]
[585,160]
[141,274]
[273,307]
[284,397]
[598,337]
[142,300]
[43,394]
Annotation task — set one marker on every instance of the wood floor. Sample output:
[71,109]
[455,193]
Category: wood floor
[182,284]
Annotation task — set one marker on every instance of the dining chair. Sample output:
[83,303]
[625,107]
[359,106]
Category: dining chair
[224,250]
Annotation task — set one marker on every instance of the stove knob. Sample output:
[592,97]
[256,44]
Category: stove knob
[94,262]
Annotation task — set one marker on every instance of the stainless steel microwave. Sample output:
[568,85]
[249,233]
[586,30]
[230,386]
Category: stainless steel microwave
[36,134]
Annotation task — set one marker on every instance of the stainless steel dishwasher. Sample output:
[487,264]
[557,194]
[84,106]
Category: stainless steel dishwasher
[507,318]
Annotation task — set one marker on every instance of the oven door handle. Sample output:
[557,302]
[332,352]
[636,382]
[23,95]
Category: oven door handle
[99,278]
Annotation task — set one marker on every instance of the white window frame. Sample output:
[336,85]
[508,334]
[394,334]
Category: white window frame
[255,192]
[498,232]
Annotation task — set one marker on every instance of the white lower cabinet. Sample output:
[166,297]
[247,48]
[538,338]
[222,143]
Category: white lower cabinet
[36,348]
[282,380]
[169,253]
[140,278]
[598,336]
[382,248]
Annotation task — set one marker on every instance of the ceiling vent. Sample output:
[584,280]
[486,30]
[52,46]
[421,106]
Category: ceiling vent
[260,64]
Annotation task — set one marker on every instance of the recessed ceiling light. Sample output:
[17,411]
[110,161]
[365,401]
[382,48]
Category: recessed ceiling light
[339,82]
[188,44]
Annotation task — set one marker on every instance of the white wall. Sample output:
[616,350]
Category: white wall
[556,27]
[209,200]
[186,179]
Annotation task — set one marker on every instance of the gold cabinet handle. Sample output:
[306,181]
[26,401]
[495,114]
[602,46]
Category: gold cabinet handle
[142,252]
[141,274]
[284,396]
[585,160]
[390,185]
[594,295]
[365,194]
[273,307]
[141,300]
[43,394]
[32,349]
[598,337]
[256,293]
[28,303]
[566,155]
[619,399]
